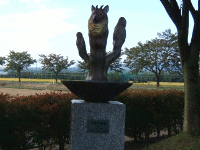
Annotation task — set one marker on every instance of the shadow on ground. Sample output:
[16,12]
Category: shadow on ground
[141,144]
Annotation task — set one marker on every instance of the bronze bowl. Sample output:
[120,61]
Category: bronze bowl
[96,91]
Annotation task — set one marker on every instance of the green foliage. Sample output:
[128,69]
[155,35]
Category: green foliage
[83,66]
[180,141]
[55,63]
[2,60]
[116,65]
[114,76]
[75,76]
[148,111]
[19,61]
[44,119]
[159,54]
[41,119]
[174,65]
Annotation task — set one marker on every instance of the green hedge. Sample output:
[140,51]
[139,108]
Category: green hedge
[43,120]
[34,121]
[149,111]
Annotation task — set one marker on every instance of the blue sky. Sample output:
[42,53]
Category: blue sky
[50,26]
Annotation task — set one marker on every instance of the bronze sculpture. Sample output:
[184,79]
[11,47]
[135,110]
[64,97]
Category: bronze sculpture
[96,87]
[98,62]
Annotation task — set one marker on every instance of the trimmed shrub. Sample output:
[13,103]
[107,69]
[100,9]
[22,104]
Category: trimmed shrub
[35,121]
[43,120]
[149,111]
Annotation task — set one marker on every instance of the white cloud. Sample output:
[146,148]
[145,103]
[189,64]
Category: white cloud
[34,1]
[31,31]
[26,1]
[3,2]
[39,1]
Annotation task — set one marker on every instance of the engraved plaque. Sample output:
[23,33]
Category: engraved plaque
[97,126]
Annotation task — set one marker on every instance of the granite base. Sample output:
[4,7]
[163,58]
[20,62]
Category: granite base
[97,126]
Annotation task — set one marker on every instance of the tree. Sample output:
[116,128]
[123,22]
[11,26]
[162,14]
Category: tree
[2,60]
[82,65]
[116,65]
[154,56]
[189,53]
[18,61]
[174,67]
[55,63]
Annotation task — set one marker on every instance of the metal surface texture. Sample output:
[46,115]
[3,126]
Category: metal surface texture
[97,88]
[96,91]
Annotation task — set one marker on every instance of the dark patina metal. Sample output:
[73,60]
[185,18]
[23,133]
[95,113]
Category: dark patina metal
[97,88]
[96,91]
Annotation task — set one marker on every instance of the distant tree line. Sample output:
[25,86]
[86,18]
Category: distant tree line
[157,56]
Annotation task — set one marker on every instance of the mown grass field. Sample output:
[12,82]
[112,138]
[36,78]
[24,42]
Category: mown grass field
[148,85]
[163,85]
[29,80]
[59,81]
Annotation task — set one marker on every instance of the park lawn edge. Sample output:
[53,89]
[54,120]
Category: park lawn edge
[181,141]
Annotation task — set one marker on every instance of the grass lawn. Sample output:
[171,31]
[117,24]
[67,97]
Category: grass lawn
[180,141]
[26,81]
[37,85]
[163,85]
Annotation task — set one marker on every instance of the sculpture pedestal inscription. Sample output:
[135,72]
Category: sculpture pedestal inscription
[97,126]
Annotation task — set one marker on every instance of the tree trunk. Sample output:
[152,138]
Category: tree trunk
[191,122]
[157,80]
[189,58]
[56,77]
[146,135]
[61,146]
[135,138]
[61,143]
[169,131]
[175,128]
[19,76]
[140,136]
[158,131]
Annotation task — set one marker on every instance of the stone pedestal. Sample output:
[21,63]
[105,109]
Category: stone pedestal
[97,126]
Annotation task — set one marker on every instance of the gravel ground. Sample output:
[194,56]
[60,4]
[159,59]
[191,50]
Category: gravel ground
[24,92]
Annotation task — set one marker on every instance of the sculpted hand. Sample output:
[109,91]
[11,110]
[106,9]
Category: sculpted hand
[119,33]
[80,43]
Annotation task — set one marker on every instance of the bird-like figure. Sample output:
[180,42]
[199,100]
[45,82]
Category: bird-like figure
[119,34]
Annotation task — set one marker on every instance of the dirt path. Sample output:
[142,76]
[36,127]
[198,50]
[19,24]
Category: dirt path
[23,92]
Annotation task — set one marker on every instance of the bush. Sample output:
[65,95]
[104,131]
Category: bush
[35,121]
[42,120]
[114,76]
[149,111]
